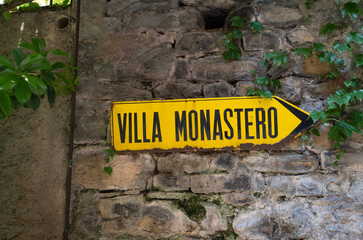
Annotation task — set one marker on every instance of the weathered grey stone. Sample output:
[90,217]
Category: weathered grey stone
[278,186]
[208,183]
[120,7]
[238,199]
[216,68]
[180,163]
[290,89]
[130,171]
[218,89]
[225,161]
[181,19]
[130,215]
[171,182]
[214,222]
[329,157]
[272,15]
[166,195]
[287,163]
[300,37]
[279,71]
[182,70]
[309,185]
[200,42]
[266,40]
[215,4]
[174,90]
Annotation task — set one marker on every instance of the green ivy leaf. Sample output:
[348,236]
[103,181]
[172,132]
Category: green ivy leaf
[350,83]
[342,130]
[258,92]
[356,37]
[256,26]
[34,62]
[111,152]
[262,80]
[6,15]
[57,65]
[327,57]
[277,57]
[108,170]
[338,99]
[18,55]
[357,119]
[6,62]
[37,83]
[358,94]
[8,81]
[329,28]
[275,83]
[339,62]
[336,162]
[225,56]
[352,9]
[315,132]
[22,91]
[33,103]
[28,46]
[306,52]
[39,44]
[316,115]
[318,47]
[237,21]
[51,96]
[359,60]
[341,47]
[237,34]
[5,103]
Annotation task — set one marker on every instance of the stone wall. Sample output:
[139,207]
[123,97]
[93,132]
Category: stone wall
[34,145]
[166,49]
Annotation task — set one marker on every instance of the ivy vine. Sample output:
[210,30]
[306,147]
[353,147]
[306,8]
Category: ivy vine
[339,110]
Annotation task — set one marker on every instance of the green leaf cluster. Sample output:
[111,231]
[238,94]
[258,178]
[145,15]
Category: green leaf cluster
[277,57]
[27,78]
[110,153]
[230,41]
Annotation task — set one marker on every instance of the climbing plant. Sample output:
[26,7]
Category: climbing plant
[29,76]
[339,110]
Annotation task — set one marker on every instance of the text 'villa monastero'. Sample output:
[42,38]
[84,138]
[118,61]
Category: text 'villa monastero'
[201,125]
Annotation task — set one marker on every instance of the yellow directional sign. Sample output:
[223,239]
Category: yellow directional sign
[206,124]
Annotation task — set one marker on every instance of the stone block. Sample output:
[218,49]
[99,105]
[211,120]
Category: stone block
[300,37]
[174,20]
[219,183]
[199,42]
[171,182]
[270,14]
[132,216]
[309,185]
[321,143]
[286,163]
[350,158]
[173,90]
[238,199]
[129,171]
[267,40]
[212,68]
[214,222]
[278,186]
[182,70]
[225,161]
[218,89]
[313,66]
[242,88]
[121,8]
[290,89]
[183,163]
[279,71]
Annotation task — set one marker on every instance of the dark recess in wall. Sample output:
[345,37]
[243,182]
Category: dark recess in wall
[214,19]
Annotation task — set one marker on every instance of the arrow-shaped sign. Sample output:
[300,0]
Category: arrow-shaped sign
[206,124]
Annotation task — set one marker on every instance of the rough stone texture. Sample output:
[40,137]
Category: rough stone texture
[144,50]
[287,163]
[132,171]
[215,68]
[34,145]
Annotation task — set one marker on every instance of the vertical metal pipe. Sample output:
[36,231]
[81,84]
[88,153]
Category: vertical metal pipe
[71,134]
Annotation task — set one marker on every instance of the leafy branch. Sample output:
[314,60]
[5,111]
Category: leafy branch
[27,78]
